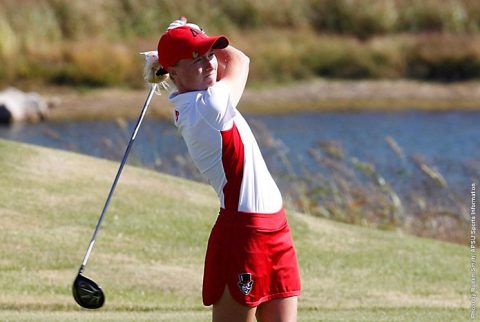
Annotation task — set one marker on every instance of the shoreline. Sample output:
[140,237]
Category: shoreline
[316,95]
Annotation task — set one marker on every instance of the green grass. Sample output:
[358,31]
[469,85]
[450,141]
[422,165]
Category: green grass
[149,253]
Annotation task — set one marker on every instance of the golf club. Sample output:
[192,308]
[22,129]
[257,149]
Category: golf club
[86,292]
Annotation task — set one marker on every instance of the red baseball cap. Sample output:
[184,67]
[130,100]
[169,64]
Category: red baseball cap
[186,43]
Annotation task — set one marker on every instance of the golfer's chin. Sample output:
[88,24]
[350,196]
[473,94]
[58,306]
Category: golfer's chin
[200,85]
[210,80]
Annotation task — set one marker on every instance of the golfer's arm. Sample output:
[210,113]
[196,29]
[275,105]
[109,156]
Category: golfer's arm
[233,67]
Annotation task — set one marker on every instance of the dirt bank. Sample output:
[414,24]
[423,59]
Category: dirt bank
[316,95]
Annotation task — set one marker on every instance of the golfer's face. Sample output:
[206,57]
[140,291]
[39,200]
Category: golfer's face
[196,74]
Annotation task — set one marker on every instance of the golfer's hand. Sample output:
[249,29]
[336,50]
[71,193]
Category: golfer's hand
[182,21]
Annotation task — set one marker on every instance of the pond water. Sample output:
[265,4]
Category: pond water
[447,141]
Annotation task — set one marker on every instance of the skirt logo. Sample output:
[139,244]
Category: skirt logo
[245,283]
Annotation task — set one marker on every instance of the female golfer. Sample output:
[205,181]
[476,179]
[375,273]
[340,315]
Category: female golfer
[251,267]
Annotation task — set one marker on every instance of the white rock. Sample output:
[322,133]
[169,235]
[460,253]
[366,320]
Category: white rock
[18,106]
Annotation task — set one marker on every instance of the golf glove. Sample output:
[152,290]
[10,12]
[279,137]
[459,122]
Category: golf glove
[182,21]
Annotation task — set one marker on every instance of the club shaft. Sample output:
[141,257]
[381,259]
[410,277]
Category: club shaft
[119,172]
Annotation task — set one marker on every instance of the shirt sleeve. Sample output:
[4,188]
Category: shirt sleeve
[215,107]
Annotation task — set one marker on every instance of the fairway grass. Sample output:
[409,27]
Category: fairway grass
[149,253]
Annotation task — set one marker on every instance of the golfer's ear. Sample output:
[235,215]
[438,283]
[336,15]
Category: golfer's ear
[172,72]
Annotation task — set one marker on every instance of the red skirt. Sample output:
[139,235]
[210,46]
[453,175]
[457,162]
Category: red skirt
[253,254]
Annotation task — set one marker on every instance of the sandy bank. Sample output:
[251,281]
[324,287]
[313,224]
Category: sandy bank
[316,95]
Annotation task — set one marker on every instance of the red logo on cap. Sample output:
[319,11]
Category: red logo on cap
[194,32]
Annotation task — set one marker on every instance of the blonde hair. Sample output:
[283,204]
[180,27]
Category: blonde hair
[153,73]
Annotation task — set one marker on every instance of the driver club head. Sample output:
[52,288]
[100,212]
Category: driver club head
[87,293]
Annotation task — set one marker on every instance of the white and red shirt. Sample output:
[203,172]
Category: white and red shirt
[225,151]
